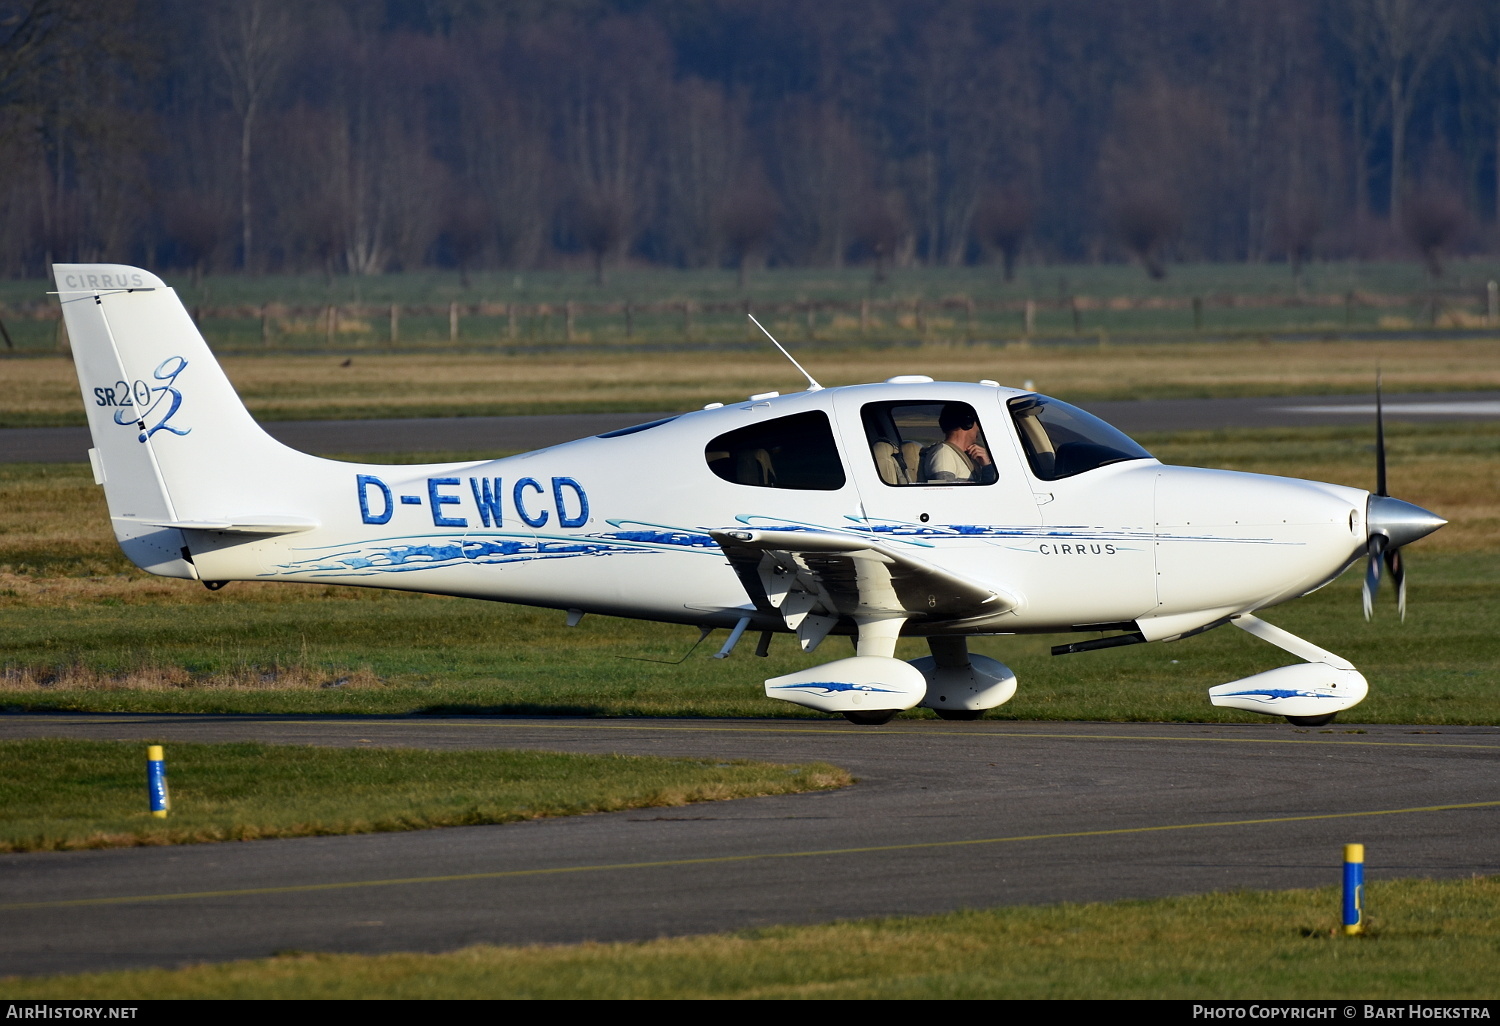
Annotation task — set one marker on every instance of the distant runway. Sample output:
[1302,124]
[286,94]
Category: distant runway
[522,434]
[944,816]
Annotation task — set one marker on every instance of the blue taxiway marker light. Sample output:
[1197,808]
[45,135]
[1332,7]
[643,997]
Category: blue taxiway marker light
[1354,889]
[156,781]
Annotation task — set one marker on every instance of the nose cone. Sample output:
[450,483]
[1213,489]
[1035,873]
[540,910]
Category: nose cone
[1399,521]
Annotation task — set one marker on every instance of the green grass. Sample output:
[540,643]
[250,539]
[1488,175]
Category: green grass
[1461,290]
[1427,939]
[61,794]
[398,653]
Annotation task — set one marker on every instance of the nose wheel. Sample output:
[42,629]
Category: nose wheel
[1310,721]
[872,717]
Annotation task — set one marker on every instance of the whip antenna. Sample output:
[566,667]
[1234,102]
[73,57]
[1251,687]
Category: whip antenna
[812,383]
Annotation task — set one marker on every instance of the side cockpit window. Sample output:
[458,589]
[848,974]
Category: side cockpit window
[927,443]
[790,452]
[1063,441]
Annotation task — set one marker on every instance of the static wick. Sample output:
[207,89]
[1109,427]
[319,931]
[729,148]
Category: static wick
[812,383]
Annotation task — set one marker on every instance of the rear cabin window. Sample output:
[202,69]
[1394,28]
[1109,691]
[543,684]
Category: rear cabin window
[927,443]
[789,452]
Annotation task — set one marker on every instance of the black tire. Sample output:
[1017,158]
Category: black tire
[1310,721]
[872,718]
[959,714]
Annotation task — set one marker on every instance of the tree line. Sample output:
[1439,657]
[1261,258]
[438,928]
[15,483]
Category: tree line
[365,136]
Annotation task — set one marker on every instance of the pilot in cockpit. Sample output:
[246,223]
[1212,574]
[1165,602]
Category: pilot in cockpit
[958,457]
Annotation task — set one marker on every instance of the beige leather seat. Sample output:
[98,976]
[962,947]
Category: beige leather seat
[911,452]
[753,467]
[887,465]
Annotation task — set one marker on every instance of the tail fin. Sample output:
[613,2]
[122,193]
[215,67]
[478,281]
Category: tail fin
[173,445]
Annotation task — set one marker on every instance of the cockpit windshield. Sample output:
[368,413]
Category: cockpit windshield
[1063,441]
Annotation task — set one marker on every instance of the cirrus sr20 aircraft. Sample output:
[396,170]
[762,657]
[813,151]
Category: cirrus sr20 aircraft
[940,510]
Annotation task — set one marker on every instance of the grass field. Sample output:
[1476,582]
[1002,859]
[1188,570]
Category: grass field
[44,391]
[1115,300]
[60,794]
[1427,939]
[83,631]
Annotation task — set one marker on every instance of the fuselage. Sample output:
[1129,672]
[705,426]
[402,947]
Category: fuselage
[617,524]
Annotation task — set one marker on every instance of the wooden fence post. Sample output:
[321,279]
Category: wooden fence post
[1073,305]
[749,326]
[812,319]
[969,318]
[864,315]
[8,343]
[1348,309]
[1197,313]
[568,321]
[330,324]
[510,320]
[265,324]
[452,322]
[61,337]
[1030,317]
[395,324]
[1491,316]
[629,319]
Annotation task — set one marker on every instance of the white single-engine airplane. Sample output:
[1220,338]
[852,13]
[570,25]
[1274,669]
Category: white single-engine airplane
[935,509]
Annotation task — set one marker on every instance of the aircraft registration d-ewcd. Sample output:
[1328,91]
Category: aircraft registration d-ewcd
[941,510]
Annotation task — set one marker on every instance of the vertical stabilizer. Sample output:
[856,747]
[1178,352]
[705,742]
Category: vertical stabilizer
[173,442]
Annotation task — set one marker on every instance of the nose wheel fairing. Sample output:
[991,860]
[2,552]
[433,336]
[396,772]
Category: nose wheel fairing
[1320,687]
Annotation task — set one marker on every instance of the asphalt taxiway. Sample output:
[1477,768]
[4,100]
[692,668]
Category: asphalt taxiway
[944,816]
[522,434]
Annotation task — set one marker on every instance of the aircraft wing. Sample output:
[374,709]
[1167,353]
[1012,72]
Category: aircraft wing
[814,579]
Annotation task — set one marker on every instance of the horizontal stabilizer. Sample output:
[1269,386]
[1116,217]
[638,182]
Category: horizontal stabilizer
[247,525]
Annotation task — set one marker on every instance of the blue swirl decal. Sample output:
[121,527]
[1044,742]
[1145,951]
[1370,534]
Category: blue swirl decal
[1274,693]
[832,687]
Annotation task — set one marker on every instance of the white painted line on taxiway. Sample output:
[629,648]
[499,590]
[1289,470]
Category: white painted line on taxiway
[1456,409]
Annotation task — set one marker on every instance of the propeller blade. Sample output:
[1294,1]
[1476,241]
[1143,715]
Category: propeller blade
[1379,440]
[1398,576]
[1372,573]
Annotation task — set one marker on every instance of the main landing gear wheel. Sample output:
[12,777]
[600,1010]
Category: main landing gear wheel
[1310,721]
[873,718]
[959,714]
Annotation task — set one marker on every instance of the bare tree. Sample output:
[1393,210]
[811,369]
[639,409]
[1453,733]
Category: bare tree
[1297,227]
[251,39]
[747,219]
[1431,221]
[1396,41]
[880,226]
[820,168]
[1002,223]
[599,221]
[704,159]
[468,226]
[197,224]
[1146,223]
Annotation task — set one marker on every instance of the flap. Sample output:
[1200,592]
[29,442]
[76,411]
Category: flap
[846,575]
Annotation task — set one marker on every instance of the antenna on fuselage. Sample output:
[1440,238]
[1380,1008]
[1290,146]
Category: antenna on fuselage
[812,383]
